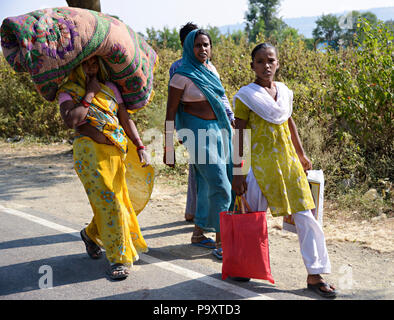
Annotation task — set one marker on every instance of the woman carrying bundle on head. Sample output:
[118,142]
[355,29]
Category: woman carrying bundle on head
[103,154]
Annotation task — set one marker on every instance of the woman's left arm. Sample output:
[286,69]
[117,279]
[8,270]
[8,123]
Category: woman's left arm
[306,163]
[132,132]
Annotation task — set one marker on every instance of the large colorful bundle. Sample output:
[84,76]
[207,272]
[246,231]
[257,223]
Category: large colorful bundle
[50,43]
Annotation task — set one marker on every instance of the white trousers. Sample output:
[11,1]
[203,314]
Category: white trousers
[310,233]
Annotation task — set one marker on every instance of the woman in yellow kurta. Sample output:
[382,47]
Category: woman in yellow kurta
[279,161]
[274,160]
[111,163]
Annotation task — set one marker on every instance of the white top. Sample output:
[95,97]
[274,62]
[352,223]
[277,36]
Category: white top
[191,92]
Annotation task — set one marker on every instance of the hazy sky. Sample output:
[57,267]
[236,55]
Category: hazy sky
[140,15]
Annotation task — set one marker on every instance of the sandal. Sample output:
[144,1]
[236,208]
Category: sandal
[92,248]
[325,294]
[118,271]
[218,252]
[205,242]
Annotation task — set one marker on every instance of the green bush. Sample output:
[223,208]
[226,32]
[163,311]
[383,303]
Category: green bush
[23,112]
[361,98]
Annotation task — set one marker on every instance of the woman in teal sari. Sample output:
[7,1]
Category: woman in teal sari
[195,106]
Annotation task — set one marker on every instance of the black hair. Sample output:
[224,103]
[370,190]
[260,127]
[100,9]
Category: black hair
[185,30]
[204,33]
[265,45]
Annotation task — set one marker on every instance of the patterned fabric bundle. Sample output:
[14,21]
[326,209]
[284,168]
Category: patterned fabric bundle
[50,43]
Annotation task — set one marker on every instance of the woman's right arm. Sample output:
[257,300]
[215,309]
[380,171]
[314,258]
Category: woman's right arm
[174,98]
[74,114]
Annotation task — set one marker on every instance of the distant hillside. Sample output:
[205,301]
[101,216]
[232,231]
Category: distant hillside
[305,25]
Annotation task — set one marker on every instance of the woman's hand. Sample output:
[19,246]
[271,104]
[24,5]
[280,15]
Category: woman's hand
[144,157]
[306,163]
[239,184]
[169,157]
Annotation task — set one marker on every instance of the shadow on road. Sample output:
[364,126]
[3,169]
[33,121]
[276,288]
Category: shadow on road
[33,172]
[37,241]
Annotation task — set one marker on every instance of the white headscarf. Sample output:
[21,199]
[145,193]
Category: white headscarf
[257,99]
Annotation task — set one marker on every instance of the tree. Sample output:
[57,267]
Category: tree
[237,36]
[214,33]
[283,31]
[165,38]
[327,30]
[85,4]
[261,18]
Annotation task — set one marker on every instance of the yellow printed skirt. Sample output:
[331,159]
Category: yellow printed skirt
[118,189]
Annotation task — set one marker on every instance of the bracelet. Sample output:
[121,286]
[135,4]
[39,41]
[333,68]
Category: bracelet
[85,103]
[241,165]
[141,148]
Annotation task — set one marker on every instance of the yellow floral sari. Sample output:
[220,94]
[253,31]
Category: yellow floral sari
[117,186]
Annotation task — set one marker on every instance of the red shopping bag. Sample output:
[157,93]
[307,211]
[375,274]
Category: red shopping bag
[245,246]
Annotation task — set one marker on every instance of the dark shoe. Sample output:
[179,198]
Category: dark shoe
[92,248]
[317,288]
[189,217]
[118,271]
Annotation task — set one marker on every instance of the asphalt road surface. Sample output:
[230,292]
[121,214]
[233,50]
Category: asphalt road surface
[42,257]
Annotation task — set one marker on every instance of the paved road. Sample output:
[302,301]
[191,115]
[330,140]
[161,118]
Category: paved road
[42,257]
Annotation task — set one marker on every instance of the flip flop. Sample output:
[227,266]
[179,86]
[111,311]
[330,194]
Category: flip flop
[325,294]
[118,271]
[205,243]
[92,249]
[218,253]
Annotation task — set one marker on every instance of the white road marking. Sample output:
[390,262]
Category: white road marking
[245,293]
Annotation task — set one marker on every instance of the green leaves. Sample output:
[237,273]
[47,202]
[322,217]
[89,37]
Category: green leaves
[362,79]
